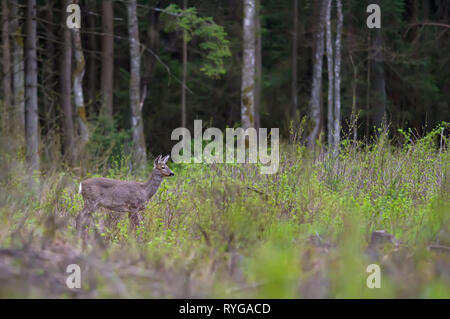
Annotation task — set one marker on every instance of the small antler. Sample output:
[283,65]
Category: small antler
[157,159]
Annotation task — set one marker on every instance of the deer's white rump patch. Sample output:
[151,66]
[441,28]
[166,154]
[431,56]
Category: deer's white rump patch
[79,189]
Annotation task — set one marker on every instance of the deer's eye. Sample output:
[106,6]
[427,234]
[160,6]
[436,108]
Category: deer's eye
[163,167]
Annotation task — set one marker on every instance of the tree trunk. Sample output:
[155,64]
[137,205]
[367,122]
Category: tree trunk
[78,75]
[66,74]
[337,78]
[294,83]
[107,77]
[354,116]
[18,69]
[137,126]
[152,43]
[258,72]
[368,86]
[330,66]
[6,63]
[31,96]
[378,87]
[49,72]
[92,73]
[314,103]
[248,65]
[183,85]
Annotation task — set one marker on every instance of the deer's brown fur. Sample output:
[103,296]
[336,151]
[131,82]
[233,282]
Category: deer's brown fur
[121,196]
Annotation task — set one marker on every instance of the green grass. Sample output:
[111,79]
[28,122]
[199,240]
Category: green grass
[224,230]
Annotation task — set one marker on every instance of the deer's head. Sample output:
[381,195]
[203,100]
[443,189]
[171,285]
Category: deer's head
[160,164]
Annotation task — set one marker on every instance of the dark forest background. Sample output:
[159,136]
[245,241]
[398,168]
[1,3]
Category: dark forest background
[412,52]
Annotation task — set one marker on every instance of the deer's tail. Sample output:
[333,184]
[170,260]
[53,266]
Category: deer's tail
[79,189]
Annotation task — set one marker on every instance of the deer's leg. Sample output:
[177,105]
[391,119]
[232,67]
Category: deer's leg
[81,218]
[84,216]
[135,218]
[112,219]
[81,223]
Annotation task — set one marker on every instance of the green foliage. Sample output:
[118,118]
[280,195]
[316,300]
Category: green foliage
[275,263]
[107,141]
[225,230]
[213,36]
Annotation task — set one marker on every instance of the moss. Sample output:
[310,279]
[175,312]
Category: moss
[82,113]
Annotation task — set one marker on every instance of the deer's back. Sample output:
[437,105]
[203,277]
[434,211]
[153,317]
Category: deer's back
[113,194]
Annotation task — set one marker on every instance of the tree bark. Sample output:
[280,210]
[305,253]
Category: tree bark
[330,66]
[314,103]
[354,116]
[49,73]
[294,82]
[248,65]
[92,71]
[368,86]
[18,69]
[337,78]
[137,126]
[66,79]
[31,96]
[183,85]
[6,64]
[258,66]
[78,75]
[107,77]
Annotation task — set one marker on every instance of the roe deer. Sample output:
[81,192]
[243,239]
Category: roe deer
[121,196]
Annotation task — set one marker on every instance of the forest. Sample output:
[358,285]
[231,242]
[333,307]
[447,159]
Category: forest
[358,90]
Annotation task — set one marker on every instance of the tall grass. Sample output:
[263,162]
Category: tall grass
[224,230]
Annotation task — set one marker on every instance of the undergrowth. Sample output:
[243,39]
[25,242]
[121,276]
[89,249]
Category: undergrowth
[224,230]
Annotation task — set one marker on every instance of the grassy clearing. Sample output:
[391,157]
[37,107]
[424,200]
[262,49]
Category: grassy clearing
[227,231]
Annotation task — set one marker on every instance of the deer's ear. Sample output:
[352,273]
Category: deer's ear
[165,159]
[157,159]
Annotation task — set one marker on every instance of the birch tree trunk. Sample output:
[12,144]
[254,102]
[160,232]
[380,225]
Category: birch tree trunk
[337,78]
[330,65]
[183,84]
[18,70]
[31,96]
[107,77]
[248,66]
[66,79]
[294,83]
[78,75]
[314,103]
[6,64]
[137,126]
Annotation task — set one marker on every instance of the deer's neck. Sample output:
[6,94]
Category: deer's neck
[153,184]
